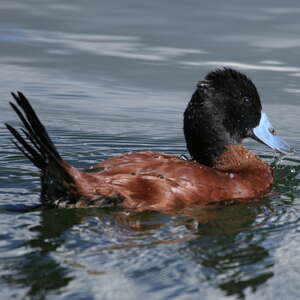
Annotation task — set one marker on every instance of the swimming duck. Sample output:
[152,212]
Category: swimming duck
[223,111]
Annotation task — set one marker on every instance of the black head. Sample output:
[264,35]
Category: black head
[223,110]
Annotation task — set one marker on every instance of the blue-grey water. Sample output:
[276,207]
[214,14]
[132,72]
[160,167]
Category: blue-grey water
[107,77]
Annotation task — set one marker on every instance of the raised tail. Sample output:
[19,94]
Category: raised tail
[37,146]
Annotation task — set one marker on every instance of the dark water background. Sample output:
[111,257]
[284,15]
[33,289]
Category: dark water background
[114,76]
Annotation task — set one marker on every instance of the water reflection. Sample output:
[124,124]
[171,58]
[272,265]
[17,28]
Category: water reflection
[274,66]
[232,262]
[36,270]
[208,238]
[128,47]
[230,246]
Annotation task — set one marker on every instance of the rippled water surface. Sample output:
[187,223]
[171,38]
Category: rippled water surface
[109,77]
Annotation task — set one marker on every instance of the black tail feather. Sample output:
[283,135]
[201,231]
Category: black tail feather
[23,151]
[36,128]
[28,150]
[36,145]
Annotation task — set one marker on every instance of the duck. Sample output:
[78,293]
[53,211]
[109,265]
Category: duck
[224,110]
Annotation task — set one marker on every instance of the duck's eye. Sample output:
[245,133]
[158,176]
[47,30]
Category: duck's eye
[246,100]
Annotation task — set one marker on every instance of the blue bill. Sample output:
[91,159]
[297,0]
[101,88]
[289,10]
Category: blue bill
[266,134]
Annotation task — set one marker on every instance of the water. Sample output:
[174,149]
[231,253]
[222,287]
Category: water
[111,77]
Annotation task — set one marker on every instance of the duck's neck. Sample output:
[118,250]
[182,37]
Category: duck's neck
[205,147]
[206,153]
[204,130]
